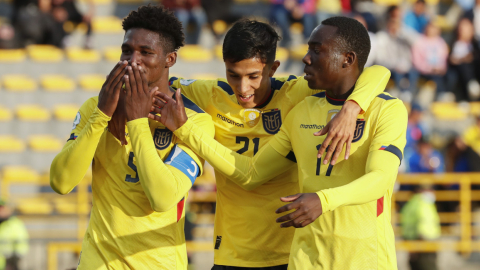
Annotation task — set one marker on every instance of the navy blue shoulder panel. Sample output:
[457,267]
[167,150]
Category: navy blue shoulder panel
[172,79]
[292,77]
[226,87]
[320,95]
[276,85]
[386,97]
[190,104]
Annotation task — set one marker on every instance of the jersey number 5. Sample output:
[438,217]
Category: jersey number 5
[256,143]
[319,163]
[129,178]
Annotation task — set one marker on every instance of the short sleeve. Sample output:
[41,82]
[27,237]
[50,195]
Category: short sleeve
[199,91]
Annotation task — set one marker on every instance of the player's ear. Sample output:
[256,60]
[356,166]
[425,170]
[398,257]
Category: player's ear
[349,59]
[171,59]
[273,68]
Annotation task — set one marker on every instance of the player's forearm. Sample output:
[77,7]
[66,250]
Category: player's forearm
[70,165]
[369,187]
[370,84]
[246,172]
[163,185]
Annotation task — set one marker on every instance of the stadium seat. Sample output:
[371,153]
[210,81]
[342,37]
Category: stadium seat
[299,51]
[205,76]
[79,55]
[219,27]
[112,53]
[296,28]
[219,52]
[45,53]
[388,2]
[66,204]
[444,24]
[107,25]
[195,53]
[97,2]
[12,56]
[91,82]
[32,206]
[65,112]
[19,174]
[448,111]
[10,143]
[282,54]
[474,109]
[5,114]
[45,143]
[32,112]
[57,83]
[19,83]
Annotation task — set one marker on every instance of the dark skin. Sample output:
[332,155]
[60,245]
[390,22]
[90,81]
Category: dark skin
[146,74]
[326,68]
[337,73]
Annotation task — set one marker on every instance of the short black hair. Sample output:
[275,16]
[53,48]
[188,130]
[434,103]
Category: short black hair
[351,36]
[160,20]
[249,39]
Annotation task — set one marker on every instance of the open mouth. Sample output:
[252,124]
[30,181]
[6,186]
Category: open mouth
[308,76]
[245,98]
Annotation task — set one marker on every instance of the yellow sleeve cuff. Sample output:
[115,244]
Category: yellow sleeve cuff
[323,201]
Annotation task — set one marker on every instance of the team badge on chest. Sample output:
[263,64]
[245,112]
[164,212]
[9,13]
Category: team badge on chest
[251,116]
[162,138]
[272,121]
[359,130]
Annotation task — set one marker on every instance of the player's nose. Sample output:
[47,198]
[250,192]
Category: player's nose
[306,59]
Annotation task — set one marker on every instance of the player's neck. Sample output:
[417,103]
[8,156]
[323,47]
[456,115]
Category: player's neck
[163,85]
[344,88]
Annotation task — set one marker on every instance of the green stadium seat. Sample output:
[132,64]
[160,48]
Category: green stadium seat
[57,83]
[91,82]
[65,112]
[79,55]
[45,53]
[107,25]
[45,143]
[11,144]
[195,53]
[19,83]
[32,112]
[5,114]
[12,56]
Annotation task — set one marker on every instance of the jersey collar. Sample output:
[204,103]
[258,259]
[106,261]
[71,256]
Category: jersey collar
[336,102]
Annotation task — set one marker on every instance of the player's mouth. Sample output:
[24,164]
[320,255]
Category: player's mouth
[308,76]
[245,98]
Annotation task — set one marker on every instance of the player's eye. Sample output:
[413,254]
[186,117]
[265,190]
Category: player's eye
[125,51]
[254,77]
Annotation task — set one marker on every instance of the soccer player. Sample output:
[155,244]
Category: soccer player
[139,189]
[248,111]
[344,208]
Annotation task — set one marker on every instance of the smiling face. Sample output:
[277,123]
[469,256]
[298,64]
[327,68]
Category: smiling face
[250,80]
[144,47]
[322,61]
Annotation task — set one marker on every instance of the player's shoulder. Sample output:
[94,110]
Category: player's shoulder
[190,107]
[183,83]
[89,105]
[387,103]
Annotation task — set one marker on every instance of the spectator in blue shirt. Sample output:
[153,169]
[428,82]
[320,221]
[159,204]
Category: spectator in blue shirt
[426,159]
[417,18]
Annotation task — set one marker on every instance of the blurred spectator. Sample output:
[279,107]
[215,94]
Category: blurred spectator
[373,40]
[474,16]
[285,11]
[426,159]
[13,239]
[327,9]
[394,52]
[464,52]
[472,136]
[460,157]
[7,37]
[417,18]
[65,10]
[429,56]
[188,12]
[420,221]
[415,129]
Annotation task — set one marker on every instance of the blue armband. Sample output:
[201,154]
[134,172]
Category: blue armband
[185,163]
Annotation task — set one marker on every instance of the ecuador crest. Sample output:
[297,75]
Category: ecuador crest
[359,130]
[272,121]
[162,138]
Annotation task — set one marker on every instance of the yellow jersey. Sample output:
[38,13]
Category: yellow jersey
[242,236]
[139,190]
[354,231]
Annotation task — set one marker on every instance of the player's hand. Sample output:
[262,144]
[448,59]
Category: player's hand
[138,98]
[340,131]
[172,112]
[116,125]
[308,208]
[108,97]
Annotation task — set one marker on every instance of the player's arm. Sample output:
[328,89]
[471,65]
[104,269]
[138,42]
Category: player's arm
[341,128]
[247,172]
[70,165]
[386,151]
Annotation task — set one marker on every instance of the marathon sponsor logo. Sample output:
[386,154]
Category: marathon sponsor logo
[314,126]
[230,121]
